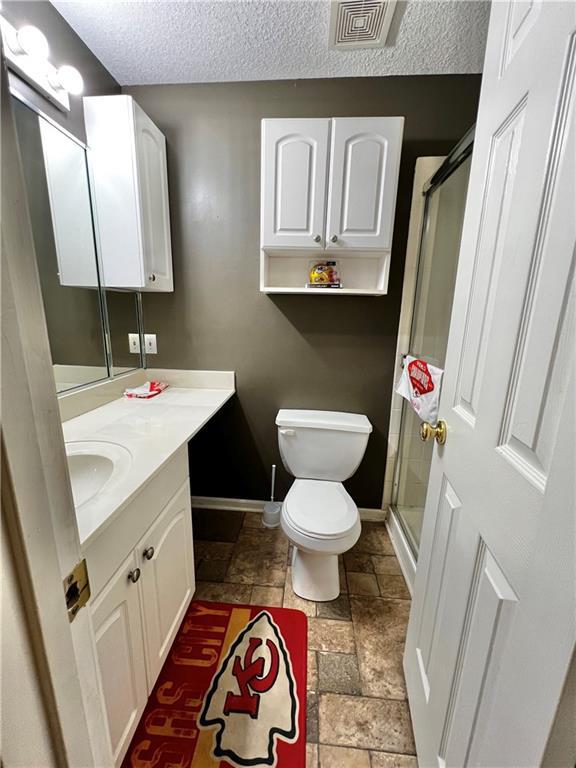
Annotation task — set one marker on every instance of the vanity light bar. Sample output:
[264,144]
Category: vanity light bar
[27,50]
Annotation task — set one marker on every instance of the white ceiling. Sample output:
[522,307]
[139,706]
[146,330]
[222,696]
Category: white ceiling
[195,41]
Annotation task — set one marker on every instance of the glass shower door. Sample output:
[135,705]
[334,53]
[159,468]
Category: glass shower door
[438,263]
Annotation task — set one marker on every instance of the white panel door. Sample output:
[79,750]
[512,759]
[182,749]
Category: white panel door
[492,626]
[166,561]
[119,644]
[294,166]
[154,205]
[364,167]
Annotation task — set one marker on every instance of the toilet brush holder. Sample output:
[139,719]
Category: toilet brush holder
[272,509]
[271,515]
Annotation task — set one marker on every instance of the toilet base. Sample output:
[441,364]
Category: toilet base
[315,576]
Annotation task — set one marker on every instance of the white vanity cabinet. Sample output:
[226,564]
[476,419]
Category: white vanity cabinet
[328,191]
[127,155]
[141,570]
[165,554]
[117,622]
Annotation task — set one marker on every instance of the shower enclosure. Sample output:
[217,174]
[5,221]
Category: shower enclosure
[437,265]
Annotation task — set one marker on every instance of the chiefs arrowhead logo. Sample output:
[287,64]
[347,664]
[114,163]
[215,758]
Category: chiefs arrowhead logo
[252,701]
[420,378]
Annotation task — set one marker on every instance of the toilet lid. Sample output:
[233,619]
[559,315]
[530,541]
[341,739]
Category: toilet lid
[320,508]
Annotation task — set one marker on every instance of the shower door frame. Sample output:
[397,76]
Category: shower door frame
[402,540]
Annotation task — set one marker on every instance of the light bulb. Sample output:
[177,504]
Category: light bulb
[10,36]
[33,42]
[70,79]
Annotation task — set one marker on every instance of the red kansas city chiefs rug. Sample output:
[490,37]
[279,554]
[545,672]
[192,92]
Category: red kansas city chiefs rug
[232,692]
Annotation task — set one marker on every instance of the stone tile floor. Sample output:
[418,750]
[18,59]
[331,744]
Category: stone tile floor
[357,714]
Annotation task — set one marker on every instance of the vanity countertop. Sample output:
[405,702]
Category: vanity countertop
[152,431]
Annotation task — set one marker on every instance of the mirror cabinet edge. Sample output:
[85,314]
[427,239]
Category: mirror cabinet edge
[103,303]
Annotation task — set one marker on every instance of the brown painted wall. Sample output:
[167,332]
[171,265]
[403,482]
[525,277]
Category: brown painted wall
[287,351]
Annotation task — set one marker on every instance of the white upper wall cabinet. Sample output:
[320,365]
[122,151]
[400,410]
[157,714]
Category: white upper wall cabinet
[128,163]
[364,165]
[329,192]
[294,165]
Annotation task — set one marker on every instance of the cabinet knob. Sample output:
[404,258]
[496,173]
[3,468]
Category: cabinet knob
[152,277]
[148,553]
[317,238]
[334,239]
[134,575]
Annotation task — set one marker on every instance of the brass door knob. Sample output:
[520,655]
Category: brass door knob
[427,432]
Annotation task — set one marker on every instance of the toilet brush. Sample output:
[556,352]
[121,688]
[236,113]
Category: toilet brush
[271,515]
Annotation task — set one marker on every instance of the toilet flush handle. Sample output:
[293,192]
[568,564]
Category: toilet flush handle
[288,432]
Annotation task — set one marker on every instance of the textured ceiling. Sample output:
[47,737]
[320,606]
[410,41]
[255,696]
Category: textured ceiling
[194,41]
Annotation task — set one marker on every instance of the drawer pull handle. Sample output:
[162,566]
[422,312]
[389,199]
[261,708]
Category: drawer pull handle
[134,575]
[148,553]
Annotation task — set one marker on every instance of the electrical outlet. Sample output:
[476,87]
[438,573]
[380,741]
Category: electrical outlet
[134,343]
[150,343]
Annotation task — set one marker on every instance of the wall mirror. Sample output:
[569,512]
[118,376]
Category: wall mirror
[88,324]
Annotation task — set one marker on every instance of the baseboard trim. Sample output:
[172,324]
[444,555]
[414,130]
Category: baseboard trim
[230,505]
[250,505]
[369,515]
[402,549]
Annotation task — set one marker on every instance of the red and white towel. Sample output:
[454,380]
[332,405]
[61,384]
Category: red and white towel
[420,384]
[147,390]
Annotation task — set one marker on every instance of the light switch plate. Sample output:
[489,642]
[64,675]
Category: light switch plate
[134,343]
[150,343]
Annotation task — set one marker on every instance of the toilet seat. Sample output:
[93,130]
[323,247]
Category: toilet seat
[321,520]
[320,509]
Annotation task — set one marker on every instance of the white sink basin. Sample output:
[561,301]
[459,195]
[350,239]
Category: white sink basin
[95,467]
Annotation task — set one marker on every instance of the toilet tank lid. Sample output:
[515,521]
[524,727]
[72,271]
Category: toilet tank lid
[337,420]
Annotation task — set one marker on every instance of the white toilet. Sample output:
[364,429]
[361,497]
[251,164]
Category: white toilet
[321,449]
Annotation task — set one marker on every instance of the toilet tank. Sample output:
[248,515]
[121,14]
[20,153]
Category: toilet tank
[322,445]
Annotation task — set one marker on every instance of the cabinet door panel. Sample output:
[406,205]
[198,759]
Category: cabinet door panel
[118,632]
[154,208]
[364,165]
[110,135]
[167,578]
[67,179]
[294,164]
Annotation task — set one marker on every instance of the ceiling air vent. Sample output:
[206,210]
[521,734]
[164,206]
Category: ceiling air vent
[360,23]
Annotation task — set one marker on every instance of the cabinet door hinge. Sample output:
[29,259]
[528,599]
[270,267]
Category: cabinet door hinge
[76,589]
